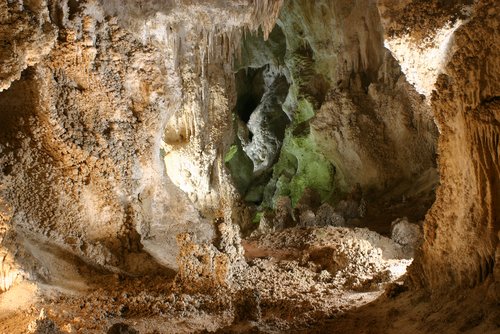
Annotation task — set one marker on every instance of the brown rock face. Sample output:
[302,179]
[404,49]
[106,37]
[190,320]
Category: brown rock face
[27,36]
[461,229]
[118,120]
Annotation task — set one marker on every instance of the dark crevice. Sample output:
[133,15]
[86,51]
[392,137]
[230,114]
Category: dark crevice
[261,93]
[73,7]
[250,87]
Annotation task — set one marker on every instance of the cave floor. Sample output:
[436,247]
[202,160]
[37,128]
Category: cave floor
[408,312]
[297,280]
[292,280]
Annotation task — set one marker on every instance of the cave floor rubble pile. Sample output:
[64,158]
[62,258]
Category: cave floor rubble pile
[292,279]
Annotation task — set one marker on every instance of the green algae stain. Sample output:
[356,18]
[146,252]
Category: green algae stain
[305,111]
[231,153]
[303,162]
[240,166]
[302,166]
[258,216]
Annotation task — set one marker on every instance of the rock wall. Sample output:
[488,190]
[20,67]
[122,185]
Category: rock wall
[27,36]
[82,128]
[461,246]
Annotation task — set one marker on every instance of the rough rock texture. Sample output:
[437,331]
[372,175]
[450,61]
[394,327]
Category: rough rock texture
[292,278]
[209,268]
[43,325]
[419,36]
[326,216]
[357,109]
[406,234]
[355,119]
[82,130]
[86,125]
[461,245]
[354,257]
[27,36]
[124,158]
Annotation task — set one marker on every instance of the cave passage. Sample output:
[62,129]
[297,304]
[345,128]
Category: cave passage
[250,89]
[300,143]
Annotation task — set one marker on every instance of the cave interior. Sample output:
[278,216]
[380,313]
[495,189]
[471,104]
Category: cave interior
[254,166]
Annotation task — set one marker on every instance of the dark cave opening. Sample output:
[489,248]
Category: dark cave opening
[250,88]
[261,124]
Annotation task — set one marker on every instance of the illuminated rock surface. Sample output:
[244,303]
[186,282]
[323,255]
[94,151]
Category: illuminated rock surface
[235,166]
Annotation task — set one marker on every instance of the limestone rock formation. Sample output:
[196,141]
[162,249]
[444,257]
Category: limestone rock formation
[235,166]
